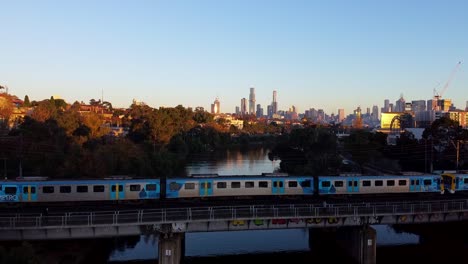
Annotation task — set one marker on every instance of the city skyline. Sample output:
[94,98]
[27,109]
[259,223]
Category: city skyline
[330,56]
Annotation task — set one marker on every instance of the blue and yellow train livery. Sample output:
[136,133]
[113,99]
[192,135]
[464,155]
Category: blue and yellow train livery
[328,185]
[221,186]
[27,190]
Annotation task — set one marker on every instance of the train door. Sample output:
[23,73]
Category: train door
[415,185]
[277,186]
[9,193]
[352,184]
[447,183]
[117,191]
[206,188]
[29,193]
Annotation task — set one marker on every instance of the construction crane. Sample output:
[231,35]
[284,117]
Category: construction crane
[438,96]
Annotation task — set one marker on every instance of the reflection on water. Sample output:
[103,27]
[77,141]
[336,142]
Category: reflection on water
[250,242]
[232,162]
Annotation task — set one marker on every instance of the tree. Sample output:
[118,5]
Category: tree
[26,101]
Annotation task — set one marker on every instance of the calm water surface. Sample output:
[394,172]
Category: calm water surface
[215,246]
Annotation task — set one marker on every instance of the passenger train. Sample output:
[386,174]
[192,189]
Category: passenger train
[40,189]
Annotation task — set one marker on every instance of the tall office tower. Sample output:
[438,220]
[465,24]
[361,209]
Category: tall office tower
[269,111]
[368,111]
[390,108]
[252,101]
[466,108]
[274,104]
[259,112]
[400,104]
[375,113]
[215,107]
[341,115]
[386,107]
[431,105]
[244,106]
[237,110]
[418,105]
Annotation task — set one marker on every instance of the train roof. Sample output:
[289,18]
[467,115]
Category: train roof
[75,181]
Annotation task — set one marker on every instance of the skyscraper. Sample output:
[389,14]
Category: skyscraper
[375,113]
[341,115]
[243,106]
[215,107]
[274,104]
[252,101]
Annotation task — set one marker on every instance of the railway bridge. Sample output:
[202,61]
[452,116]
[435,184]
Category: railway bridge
[350,220]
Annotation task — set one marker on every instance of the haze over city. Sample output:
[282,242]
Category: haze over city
[328,54]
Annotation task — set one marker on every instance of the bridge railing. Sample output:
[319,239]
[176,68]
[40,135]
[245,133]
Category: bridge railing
[203,214]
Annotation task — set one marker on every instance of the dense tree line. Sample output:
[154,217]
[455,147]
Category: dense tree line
[57,140]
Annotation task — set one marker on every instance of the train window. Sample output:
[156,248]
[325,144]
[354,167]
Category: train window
[190,186]
[326,184]
[151,187]
[339,183]
[84,188]
[306,183]
[65,189]
[366,183]
[235,184]
[263,184]
[292,184]
[412,182]
[204,185]
[221,185]
[465,181]
[173,186]
[136,187]
[378,183]
[401,182]
[350,184]
[10,190]
[249,184]
[48,189]
[25,189]
[417,182]
[427,182]
[277,184]
[98,188]
[390,182]
[1,187]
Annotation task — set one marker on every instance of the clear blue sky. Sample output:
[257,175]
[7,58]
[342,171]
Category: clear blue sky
[321,54]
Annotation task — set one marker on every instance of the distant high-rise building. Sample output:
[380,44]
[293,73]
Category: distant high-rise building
[215,107]
[466,108]
[368,111]
[375,113]
[390,108]
[386,107]
[259,112]
[244,106]
[400,104]
[237,110]
[274,104]
[341,115]
[269,111]
[418,105]
[252,101]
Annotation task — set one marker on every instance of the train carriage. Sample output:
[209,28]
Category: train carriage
[78,190]
[231,186]
[328,185]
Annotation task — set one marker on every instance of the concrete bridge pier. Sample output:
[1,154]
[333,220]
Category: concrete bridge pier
[359,242]
[171,248]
